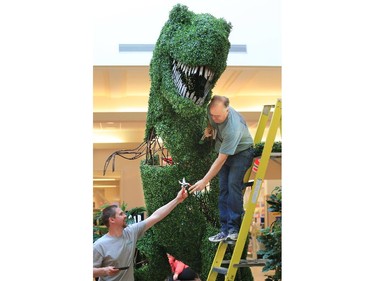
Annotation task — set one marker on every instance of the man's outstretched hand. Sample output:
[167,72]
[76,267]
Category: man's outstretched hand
[198,186]
[182,195]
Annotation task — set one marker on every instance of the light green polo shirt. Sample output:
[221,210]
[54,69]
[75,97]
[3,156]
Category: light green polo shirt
[232,136]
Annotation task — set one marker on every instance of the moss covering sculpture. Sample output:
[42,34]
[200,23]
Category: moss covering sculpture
[189,57]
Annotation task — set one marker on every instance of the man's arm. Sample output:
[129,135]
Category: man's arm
[163,211]
[213,171]
[104,271]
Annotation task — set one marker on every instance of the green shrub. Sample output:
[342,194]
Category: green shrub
[271,238]
[258,148]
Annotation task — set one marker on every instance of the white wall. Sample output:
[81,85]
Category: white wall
[256,23]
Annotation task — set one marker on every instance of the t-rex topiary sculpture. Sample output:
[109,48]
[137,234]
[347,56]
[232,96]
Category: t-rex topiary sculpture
[189,57]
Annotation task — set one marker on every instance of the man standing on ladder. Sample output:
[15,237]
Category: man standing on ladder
[234,145]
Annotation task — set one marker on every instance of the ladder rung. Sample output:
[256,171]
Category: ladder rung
[247,263]
[249,183]
[275,154]
[229,242]
[220,270]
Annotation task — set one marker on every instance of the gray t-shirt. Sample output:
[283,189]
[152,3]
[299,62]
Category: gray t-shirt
[118,251]
[232,136]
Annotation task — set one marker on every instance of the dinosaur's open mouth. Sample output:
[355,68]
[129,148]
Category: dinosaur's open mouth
[193,82]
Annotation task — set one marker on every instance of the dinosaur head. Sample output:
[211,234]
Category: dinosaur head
[189,57]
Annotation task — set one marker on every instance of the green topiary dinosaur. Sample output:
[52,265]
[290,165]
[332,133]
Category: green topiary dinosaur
[189,57]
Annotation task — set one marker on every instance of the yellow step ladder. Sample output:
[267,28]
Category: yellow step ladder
[235,261]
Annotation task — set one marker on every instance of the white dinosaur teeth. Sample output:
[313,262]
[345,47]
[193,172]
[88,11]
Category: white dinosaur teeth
[183,91]
[178,68]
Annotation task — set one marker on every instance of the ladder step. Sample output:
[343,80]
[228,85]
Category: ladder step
[249,183]
[229,242]
[247,263]
[220,270]
[275,154]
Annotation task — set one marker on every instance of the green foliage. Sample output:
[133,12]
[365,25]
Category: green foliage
[98,229]
[136,211]
[194,40]
[208,250]
[182,230]
[275,200]
[155,265]
[185,30]
[133,213]
[258,148]
[271,238]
